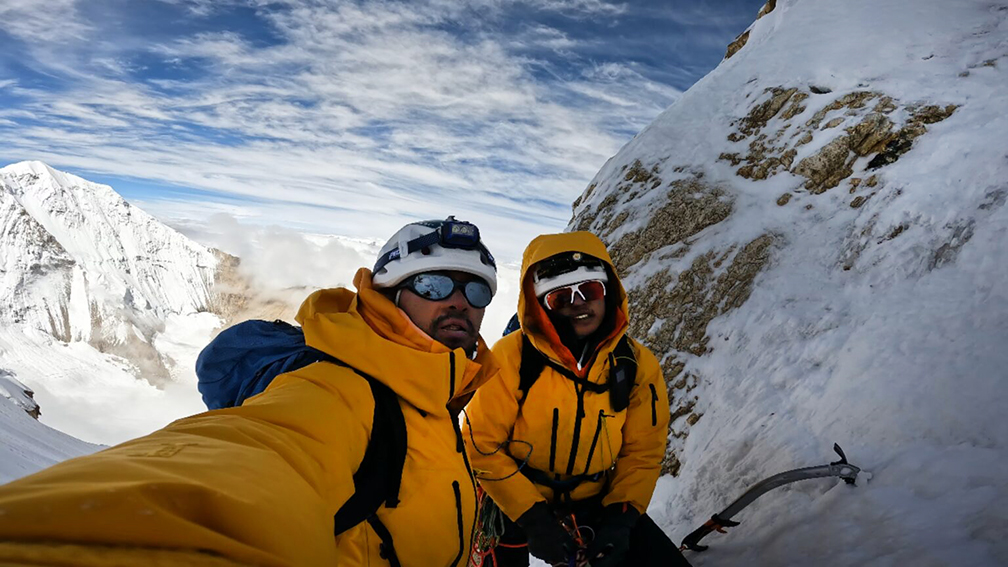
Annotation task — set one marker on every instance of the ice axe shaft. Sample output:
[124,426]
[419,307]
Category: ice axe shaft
[720,521]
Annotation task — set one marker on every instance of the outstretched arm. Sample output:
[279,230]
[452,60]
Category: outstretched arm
[256,484]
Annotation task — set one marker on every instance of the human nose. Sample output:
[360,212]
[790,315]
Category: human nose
[458,299]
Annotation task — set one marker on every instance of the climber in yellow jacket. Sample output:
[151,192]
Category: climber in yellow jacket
[576,422]
[259,484]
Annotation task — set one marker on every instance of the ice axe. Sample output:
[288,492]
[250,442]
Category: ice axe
[720,521]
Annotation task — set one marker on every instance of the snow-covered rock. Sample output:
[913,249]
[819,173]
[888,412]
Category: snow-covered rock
[20,395]
[815,243]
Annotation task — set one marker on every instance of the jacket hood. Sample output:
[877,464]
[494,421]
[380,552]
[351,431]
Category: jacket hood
[368,332]
[534,321]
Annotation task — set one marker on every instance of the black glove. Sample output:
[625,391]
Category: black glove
[547,539]
[613,538]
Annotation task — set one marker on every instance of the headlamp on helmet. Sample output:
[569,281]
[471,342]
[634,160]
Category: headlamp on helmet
[566,269]
[436,245]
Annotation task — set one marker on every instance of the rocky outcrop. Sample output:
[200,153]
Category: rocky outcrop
[740,41]
[653,216]
[776,135]
[22,396]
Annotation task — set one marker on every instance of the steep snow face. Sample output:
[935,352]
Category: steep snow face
[102,309]
[27,445]
[815,243]
[79,261]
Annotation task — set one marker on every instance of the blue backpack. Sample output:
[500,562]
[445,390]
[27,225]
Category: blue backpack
[242,361]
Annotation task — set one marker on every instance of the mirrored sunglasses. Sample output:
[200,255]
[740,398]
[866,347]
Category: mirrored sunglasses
[564,296]
[437,287]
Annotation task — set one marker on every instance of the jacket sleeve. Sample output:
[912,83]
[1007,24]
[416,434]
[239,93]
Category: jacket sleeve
[490,421]
[256,484]
[645,436]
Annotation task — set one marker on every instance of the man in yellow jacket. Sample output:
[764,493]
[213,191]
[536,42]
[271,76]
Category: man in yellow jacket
[259,484]
[568,439]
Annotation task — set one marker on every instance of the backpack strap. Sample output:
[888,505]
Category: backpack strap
[379,476]
[531,366]
[622,372]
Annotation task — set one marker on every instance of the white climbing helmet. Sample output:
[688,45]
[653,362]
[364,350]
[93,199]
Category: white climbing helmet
[434,245]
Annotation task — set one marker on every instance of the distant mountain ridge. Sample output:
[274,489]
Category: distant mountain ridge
[82,264]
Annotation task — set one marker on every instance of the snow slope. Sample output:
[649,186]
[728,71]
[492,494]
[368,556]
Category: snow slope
[27,445]
[816,245]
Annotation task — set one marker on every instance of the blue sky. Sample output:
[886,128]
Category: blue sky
[348,117]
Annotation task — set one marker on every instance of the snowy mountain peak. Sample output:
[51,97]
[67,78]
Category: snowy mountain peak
[82,264]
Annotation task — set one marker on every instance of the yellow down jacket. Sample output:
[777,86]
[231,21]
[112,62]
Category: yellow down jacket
[259,484]
[628,446]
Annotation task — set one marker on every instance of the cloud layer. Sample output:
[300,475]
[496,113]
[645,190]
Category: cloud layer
[345,117]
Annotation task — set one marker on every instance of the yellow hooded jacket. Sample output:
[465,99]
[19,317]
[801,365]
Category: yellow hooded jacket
[259,484]
[627,445]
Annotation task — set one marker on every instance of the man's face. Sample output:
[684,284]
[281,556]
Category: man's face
[451,321]
[584,317]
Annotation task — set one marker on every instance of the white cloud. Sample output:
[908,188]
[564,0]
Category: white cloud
[360,109]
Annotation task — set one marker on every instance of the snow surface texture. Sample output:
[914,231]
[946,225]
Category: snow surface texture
[877,309]
[27,445]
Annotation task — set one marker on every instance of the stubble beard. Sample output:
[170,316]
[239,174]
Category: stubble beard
[468,343]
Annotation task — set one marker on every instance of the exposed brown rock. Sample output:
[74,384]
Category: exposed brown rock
[854,100]
[885,105]
[733,158]
[696,298]
[870,135]
[737,44]
[834,123]
[763,112]
[699,294]
[767,8]
[826,168]
[932,113]
[858,201]
[784,199]
[896,231]
[638,173]
[796,107]
[691,206]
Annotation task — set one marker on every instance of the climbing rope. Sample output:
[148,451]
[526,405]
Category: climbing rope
[489,529]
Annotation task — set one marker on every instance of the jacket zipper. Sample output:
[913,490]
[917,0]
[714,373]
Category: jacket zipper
[461,528]
[598,431]
[654,406]
[553,439]
[577,428]
[460,447]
